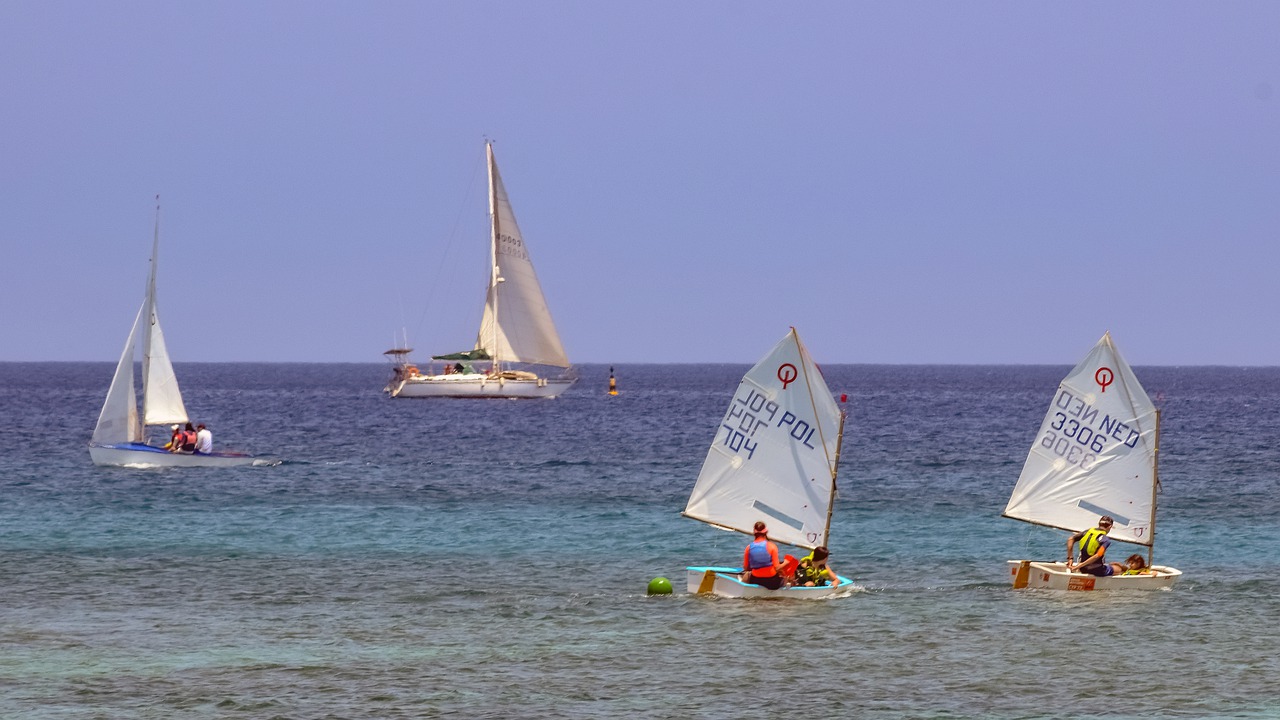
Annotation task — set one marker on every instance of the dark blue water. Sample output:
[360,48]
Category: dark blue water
[425,558]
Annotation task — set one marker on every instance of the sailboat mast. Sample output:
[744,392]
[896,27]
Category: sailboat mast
[149,317]
[495,276]
[1155,483]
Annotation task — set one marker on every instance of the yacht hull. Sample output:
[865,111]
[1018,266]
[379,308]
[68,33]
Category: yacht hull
[477,386]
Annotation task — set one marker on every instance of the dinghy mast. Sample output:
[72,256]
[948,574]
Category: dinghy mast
[1155,486]
[831,504]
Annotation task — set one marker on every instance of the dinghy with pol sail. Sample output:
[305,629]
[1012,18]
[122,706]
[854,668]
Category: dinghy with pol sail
[1096,454]
[774,459]
[120,435]
[516,328]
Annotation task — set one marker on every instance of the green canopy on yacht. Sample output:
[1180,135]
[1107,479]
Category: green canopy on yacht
[465,355]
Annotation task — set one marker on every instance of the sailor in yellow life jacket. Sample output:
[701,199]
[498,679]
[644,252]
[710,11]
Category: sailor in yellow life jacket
[813,570]
[1093,549]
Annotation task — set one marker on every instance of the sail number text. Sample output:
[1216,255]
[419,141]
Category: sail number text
[1077,435]
[511,245]
[749,414]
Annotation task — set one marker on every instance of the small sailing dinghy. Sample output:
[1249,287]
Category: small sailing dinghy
[774,458]
[516,327]
[1096,454]
[120,435]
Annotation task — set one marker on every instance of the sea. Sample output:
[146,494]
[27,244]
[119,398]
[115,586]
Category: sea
[490,558]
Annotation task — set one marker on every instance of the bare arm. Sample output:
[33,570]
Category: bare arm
[1071,547]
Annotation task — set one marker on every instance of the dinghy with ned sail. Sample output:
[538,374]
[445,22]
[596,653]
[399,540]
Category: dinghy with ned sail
[774,459]
[119,438]
[1096,454]
[516,329]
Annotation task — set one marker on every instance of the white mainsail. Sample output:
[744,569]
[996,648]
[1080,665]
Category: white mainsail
[1095,453]
[774,456]
[517,326]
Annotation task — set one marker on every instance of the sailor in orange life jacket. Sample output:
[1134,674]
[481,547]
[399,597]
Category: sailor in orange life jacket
[760,561]
[188,439]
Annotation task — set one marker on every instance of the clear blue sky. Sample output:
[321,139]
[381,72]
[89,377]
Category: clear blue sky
[904,182]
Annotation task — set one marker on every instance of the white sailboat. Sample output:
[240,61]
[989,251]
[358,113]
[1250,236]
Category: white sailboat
[120,435]
[1096,454]
[774,458]
[516,327]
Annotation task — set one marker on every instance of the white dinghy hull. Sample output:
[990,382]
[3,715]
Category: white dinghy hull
[478,386]
[140,455]
[724,582]
[1055,576]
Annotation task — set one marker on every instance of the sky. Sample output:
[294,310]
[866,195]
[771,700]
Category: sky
[903,182]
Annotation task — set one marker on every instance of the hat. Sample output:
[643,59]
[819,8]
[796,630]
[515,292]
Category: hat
[173,427]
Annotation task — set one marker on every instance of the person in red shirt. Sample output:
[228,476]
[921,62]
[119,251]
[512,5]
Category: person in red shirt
[760,560]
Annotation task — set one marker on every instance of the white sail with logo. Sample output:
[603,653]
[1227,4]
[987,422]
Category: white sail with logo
[1095,453]
[516,326]
[775,454]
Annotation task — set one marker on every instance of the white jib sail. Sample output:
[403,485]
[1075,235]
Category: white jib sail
[118,421]
[521,330]
[1095,453]
[774,454]
[162,404]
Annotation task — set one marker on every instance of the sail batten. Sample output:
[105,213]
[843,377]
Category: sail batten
[773,455]
[1094,454]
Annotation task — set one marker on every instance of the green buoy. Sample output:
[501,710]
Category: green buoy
[659,586]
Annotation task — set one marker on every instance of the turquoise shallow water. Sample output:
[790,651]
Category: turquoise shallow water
[489,559]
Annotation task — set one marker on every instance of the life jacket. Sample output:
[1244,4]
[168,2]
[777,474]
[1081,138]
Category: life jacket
[188,440]
[1089,543]
[760,560]
[789,565]
[808,572]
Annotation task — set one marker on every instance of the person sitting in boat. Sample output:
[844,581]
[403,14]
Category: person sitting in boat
[187,443]
[204,439]
[760,560]
[1133,565]
[1093,549]
[175,439]
[813,570]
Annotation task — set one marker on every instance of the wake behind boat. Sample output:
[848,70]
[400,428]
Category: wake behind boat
[516,327]
[119,438]
[775,456]
[1095,455]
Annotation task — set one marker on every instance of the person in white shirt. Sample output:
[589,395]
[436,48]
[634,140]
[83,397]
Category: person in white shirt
[204,439]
